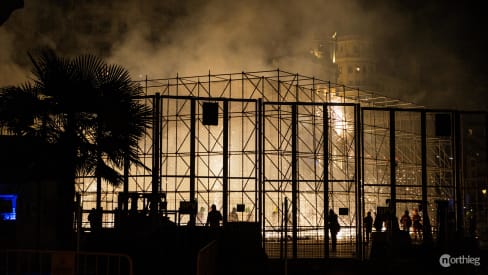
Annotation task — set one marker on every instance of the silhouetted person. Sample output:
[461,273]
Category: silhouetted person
[95,219]
[392,223]
[378,223]
[417,225]
[406,221]
[200,215]
[116,217]
[233,217]
[368,225]
[214,217]
[91,218]
[274,216]
[334,228]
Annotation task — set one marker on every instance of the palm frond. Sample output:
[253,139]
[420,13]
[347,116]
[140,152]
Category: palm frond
[109,174]
[20,109]
[85,106]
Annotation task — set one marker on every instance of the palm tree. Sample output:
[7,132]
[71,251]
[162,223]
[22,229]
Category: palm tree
[85,107]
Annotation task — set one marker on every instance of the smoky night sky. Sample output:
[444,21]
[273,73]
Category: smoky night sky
[439,46]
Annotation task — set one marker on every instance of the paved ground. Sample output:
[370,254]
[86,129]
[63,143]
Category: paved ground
[351,267]
[415,261]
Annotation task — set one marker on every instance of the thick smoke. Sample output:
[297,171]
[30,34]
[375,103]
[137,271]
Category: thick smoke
[229,36]
[10,72]
[158,39]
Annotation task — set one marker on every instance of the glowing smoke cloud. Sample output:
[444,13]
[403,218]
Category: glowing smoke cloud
[162,38]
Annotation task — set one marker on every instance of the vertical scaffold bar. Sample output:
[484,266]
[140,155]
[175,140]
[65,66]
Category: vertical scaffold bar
[156,154]
[193,126]
[259,157]
[362,201]
[326,178]
[458,172]
[357,179]
[225,156]
[125,189]
[285,219]
[427,232]
[294,170]
[393,164]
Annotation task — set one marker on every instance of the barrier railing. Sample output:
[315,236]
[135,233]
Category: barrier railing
[53,262]
[207,259]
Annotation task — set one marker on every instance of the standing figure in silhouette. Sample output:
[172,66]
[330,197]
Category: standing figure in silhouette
[94,218]
[200,215]
[378,222]
[214,217]
[233,217]
[368,225]
[417,225]
[334,228]
[406,221]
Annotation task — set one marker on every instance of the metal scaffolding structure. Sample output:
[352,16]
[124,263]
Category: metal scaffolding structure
[252,140]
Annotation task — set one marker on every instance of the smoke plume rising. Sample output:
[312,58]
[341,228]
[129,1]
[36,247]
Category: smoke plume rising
[158,39]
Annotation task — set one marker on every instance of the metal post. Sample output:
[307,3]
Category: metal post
[357,180]
[294,174]
[326,177]
[427,232]
[99,191]
[393,165]
[458,172]
[123,205]
[155,155]
[225,166]
[286,234]
[193,125]
[259,157]
[361,182]
[79,220]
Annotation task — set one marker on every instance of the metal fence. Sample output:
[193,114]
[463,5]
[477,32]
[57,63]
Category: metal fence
[63,263]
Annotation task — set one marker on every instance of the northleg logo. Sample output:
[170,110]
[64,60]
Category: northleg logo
[447,260]
[444,260]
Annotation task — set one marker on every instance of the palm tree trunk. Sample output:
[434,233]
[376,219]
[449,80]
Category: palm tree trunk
[65,194]
[66,189]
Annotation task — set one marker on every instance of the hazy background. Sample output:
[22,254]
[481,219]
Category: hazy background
[438,47]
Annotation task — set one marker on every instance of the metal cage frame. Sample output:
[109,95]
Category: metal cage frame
[280,135]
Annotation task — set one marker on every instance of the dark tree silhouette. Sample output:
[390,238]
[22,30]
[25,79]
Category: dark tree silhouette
[85,107]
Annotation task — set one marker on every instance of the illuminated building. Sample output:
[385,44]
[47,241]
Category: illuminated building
[356,62]
[280,136]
